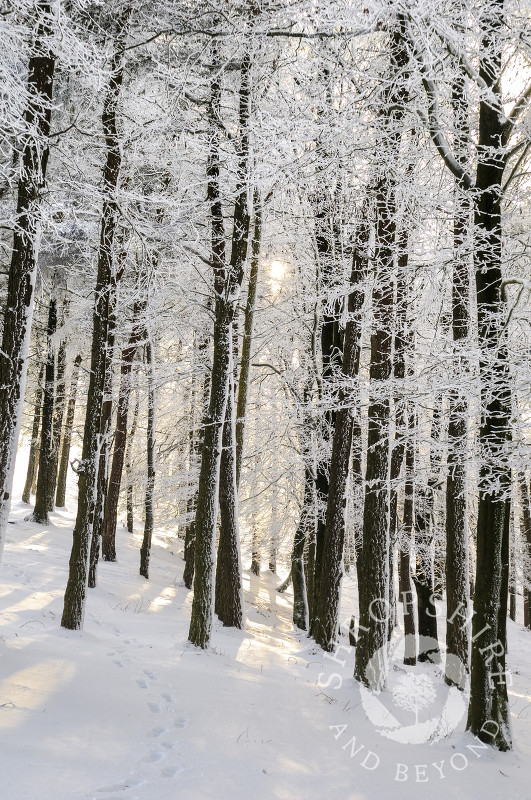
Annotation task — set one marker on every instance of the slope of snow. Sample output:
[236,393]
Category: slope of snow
[127,709]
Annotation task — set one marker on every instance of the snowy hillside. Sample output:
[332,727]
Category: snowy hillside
[128,709]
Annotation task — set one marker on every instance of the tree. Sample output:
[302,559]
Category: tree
[326,616]
[74,603]
[227,282]
[371,665]
[60,498]
[33,454]
[19,305]
[40,512]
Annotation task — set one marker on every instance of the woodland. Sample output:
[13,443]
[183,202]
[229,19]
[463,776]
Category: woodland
[265,301]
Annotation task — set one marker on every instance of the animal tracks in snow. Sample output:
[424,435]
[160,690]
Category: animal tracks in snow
[156,760]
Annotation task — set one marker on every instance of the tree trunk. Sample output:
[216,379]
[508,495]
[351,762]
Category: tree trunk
[401,341]
[371,662]
[145,550]
[105,422]
[408,603]
[457,571]
[371,655]
[424,578]
[197,449]
[326,616]
[67,436]
[488,713]
[58,413]
[227,283]
[75,594]
[300,598]
[243,383]
[525,527]
[256,559]
[40,512]
[128,469]
[34,446]
[22,269]
[324,202]
[108,543]
[228,594]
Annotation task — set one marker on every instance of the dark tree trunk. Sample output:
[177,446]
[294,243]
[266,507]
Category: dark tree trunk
[512,569]
[75,595]
[34,446]
[227,282]
[424,578]
[197,448]
[58,413]
[324,200]
[488,713]
[326,615]
[229,607]
[256,559]
[304,528]
[228,594]
[243,383]
[331,362]
[40,512]
[525,527]
[145,550]
[128,469]
[374,561]
[206,513]
[108,544]
[401,342]
[457,572]
[408,603]
[105,423]
[371,656]
[22,269]
[67,436]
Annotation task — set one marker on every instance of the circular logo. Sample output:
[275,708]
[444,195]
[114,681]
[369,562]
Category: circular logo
[417,706]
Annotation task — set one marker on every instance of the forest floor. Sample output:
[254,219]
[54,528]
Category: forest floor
[129,710]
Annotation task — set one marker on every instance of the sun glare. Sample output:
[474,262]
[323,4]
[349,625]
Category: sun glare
[277,270]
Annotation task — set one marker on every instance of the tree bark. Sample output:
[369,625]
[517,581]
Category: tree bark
[228,578]
[58,413]
[423,577]
[248,325]
[227,283]
[228,593]
[525,527]
[75,594]
[34,446]
[197,449]
[488,713]
[326,617]
[371,655]
[145,550]
[401,342]
[120,436]
[128,469]
[40,512]
[408,602]
[22,269]
[457,570]
[60,498]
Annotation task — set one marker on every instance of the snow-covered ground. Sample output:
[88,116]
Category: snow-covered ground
[127,709]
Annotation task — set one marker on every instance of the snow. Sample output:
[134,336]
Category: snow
[128,709]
